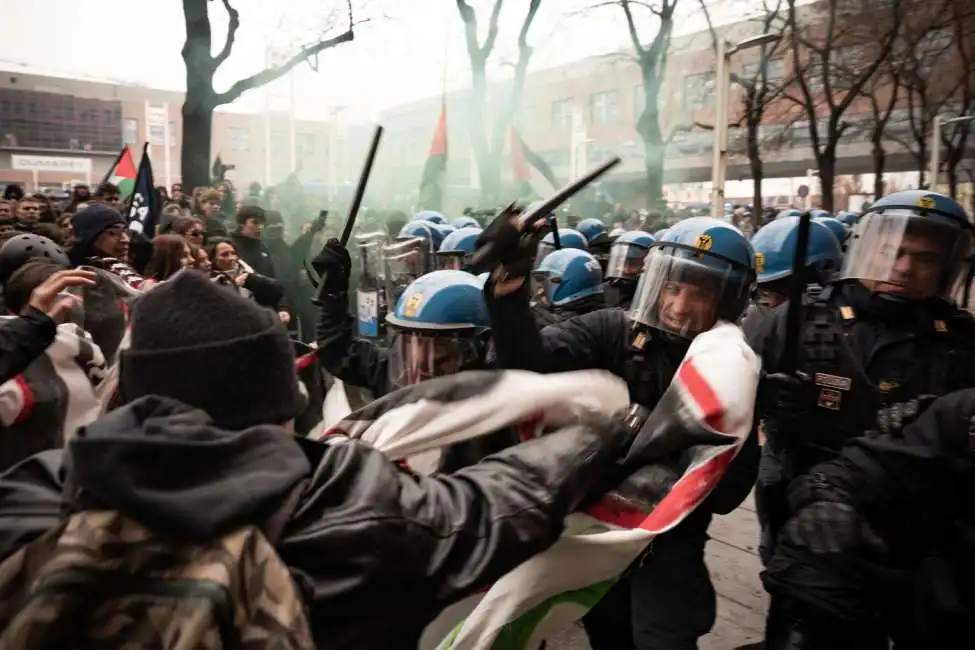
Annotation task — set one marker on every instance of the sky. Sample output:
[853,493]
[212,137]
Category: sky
[403,51]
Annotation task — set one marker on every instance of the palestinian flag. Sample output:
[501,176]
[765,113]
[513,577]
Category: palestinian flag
[122,173]
[522,159]
[432,184]
[684,447]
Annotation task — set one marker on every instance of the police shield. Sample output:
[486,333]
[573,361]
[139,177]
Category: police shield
[370,301]
[405,260]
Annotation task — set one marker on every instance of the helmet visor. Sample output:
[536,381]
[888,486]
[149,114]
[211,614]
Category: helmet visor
[542,288]
[417,356]
[453,261]
[406,261]
[901,253]
[625,261]
[543,250]
[684,292]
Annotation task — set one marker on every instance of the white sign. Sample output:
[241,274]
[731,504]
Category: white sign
[50,164]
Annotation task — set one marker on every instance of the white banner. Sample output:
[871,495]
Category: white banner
[50,164]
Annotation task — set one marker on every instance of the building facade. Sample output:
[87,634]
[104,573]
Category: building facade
[56,131]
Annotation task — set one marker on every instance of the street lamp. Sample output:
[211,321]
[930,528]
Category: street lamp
[936,144]
[719,166]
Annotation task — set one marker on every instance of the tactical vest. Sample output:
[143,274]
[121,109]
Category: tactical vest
[843,402]
[647,368]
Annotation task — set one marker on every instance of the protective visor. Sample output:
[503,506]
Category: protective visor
[684,292]
[625,261]
[907,254]
[416,356]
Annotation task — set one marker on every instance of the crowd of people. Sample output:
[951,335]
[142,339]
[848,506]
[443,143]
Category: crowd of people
[167,482]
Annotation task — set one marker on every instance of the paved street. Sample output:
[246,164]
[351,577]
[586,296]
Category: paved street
[734,564]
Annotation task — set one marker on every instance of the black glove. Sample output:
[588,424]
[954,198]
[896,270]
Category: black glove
[319,223]
[892,418]
[785,395]
[510,247]
[333,265]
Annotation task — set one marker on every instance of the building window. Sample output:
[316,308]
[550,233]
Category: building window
[240,139]
[698,91]
[279,141]
[774,71]
[604,107]
[562,113]
[157,135]
[130,131]
[305,143]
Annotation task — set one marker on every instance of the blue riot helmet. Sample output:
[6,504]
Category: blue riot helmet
[591,228]
[445,228]
[658,235]
[425,230]
[431,216]
[835,226]
[910,245]
[702,271]
[819,214]
[568,238]
[483,278]
[627,255]
[849,219]
[565,276]
[440,326]
[775,246]
[791,212]
[465,222]
[455,248]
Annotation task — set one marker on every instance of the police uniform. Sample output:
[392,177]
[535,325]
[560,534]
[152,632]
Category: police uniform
[868,361]
[667,601]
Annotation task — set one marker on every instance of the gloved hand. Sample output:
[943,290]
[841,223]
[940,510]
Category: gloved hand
[512,244]
[319,223]
[333,265]
[892,418]
[785,395]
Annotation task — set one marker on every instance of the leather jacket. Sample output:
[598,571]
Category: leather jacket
[377,551]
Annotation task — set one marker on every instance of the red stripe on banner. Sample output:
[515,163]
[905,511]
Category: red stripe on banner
[27,400]
[704,396]
[686,495]
[304,361]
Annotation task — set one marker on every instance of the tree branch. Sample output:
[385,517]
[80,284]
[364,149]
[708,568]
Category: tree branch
[276,72]
[492,35]
[631,27]
[232,28]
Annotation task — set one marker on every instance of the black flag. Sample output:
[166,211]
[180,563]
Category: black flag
[143,213]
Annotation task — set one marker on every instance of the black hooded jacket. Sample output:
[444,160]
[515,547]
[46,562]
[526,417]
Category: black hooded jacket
[377,551]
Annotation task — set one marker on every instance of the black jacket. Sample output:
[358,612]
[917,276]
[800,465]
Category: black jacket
[22,340]
[889,526]
[600,340]
[377,551]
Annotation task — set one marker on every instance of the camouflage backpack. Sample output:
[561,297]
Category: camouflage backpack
[102,581]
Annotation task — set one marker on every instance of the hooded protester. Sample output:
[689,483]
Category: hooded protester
[102,241]
[360,534]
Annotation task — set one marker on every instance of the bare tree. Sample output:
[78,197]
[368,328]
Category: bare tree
[882,91]
[923,51]
[834,57]
[652,59]
[201,66]
[487,141]
[955,138]
[763,83]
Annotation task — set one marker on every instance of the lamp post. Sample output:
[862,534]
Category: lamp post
[936,144]
[719,165]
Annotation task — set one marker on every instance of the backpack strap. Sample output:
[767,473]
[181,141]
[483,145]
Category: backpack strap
[274,526]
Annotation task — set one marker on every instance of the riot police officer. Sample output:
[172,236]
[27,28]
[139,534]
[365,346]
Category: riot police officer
[567,283]
[700,272]
[568,238]
[456,248]
[624,267]
[872,347]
